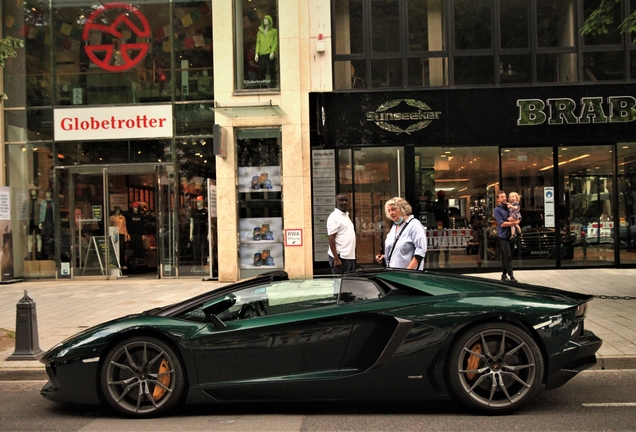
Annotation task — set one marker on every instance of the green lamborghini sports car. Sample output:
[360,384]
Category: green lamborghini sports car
[390,335]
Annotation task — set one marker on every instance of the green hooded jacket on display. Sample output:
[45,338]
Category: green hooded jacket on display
[267,43]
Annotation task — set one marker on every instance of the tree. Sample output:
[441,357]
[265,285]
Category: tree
[8,48]
[602,18]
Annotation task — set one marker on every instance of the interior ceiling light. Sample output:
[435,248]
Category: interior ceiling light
[564,162]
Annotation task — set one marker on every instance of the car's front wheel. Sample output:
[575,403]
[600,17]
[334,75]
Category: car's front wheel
[495,368]
[142,377]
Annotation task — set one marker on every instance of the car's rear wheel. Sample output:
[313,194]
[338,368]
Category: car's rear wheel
[142,377]
[495,368]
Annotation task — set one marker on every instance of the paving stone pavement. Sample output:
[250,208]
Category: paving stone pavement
[64,308]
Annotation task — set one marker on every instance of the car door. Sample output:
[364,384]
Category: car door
[300,331]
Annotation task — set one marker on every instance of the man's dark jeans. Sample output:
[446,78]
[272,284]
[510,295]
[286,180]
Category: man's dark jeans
[348,265]
[506,256]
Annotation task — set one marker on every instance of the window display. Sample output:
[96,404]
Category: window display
[261,221]
[256,44]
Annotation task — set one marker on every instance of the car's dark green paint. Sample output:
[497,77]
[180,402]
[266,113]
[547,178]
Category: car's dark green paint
[391,345]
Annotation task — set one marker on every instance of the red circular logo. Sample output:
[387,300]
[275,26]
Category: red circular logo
[117,56]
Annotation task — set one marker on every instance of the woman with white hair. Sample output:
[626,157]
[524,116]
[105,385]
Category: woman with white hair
[405,244]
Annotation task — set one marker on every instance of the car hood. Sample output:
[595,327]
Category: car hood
[91,342]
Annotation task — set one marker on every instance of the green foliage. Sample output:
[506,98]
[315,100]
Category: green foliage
[8,48]
[600,18]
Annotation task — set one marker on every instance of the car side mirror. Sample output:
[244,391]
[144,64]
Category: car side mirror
[216,306]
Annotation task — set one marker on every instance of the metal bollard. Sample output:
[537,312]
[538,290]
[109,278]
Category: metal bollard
[26,331]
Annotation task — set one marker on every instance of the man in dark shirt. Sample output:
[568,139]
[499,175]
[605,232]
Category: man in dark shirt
[136,229]
[504,222]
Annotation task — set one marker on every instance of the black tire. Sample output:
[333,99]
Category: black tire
[501,378]
[142,377]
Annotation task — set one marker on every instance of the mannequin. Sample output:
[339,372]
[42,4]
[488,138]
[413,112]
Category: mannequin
[118,220]
[266,47]
[136,228]
[34,228]
[47,226]
[199,233]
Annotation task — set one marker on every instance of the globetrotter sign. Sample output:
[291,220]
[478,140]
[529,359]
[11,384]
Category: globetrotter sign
[393,116]
[122,122]
[558,111]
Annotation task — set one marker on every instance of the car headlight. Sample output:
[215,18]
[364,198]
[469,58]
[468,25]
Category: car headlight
[581,310]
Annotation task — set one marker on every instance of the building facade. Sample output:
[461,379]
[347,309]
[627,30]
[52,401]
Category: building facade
[447,102]
[209,138]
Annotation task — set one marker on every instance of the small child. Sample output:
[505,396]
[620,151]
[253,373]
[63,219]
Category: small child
[514,211]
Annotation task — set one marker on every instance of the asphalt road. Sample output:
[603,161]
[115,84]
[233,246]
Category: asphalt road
[593,401]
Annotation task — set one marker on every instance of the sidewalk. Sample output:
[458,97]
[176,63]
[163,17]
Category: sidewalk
[66,307]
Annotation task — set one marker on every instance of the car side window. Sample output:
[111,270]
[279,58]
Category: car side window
[276,298]
[282,297]
[355,290]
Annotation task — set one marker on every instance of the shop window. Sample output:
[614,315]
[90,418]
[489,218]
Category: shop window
[385,23]
[427,72]
[193,50]
[426,25]
[349,27]
[612,35]
[28,76]
[557,68]
[386,73]
[514,69]
[31,244]
[95,67]
[194,119]
[197,172]
[513,21]
[474,70]
[473,25]
[556,23]
[256,37]
[260,201]
[603,66]
[627,201]
[28,125]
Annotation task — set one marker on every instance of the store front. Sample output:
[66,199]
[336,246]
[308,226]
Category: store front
[108,125]
[449,152]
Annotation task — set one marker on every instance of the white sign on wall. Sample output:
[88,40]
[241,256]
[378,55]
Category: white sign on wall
[119,122]
[548,200]
[294,237]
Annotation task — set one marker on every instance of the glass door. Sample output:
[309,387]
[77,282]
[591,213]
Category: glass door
[121,223]
[372,176]
[530,173]
[587,179]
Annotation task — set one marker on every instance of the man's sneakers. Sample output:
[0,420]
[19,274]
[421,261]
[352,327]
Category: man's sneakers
[505,278]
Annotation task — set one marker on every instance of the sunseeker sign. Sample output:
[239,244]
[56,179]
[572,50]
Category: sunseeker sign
[559,111]
[403,116]
[85,124]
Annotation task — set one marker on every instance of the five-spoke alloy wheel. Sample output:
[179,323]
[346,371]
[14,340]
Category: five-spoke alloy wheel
[495,368]
[142,377]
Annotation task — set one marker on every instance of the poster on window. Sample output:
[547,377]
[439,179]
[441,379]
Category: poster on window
[6,228]
[259,179]
[262,230]
[256,256]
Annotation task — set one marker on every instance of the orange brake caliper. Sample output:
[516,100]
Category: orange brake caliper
[473,360]
[159,391]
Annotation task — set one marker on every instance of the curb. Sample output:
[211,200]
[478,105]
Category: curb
[23,374]
[614,363]
[39,373]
